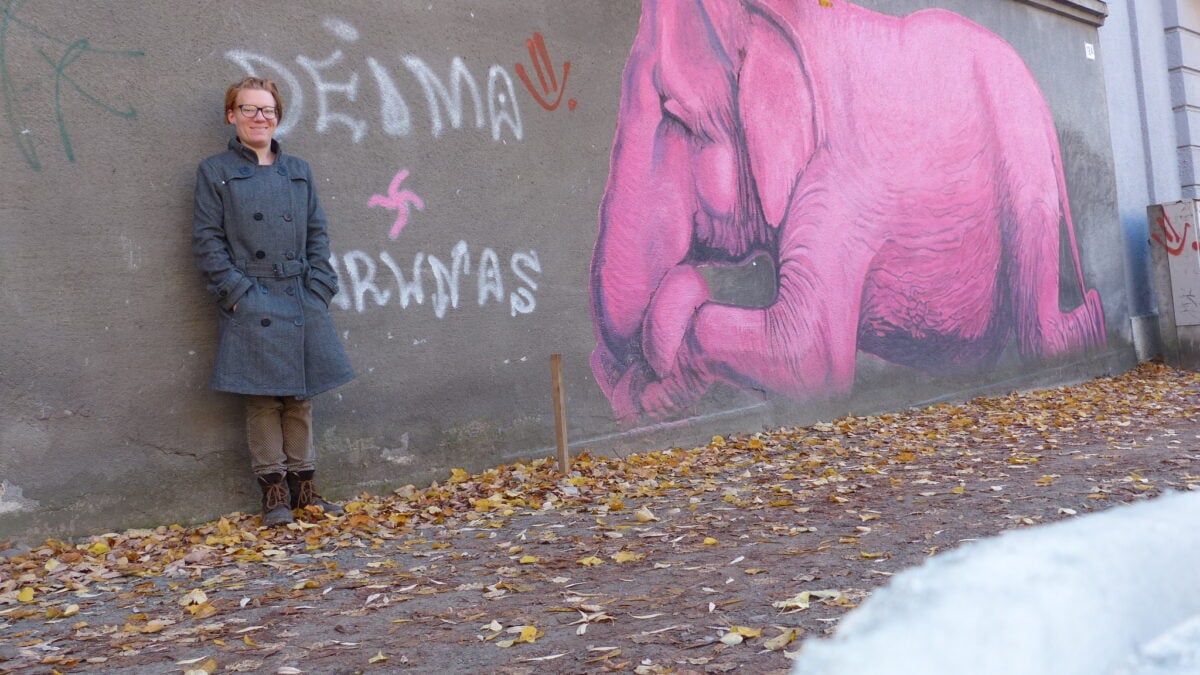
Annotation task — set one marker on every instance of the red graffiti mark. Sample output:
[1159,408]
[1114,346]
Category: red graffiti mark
[398,200]
[1172,240]
[545,69]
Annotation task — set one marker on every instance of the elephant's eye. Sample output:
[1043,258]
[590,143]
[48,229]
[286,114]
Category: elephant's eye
[673,111]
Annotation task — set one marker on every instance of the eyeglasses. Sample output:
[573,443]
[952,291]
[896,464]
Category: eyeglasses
[250,111]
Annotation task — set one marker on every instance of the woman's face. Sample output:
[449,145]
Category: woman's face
[254,132]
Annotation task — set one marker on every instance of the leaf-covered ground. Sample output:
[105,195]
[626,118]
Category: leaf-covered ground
[709,559]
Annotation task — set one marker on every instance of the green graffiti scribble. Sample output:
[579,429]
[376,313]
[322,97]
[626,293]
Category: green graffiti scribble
[73,51]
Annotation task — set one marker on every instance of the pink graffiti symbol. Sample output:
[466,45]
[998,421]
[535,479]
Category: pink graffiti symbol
[545,68]
[398,200]
[1172,235]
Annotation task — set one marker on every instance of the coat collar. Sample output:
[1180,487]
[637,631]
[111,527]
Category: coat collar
[249,154]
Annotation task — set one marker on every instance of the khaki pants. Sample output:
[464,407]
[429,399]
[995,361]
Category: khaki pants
[279,434]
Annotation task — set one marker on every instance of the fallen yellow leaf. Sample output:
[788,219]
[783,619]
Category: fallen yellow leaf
[202,611]
[193,597]
[746,631]
[644,515]
[590,561]
[780,641]
[26,594]
[529,634]
[207,668]
[627,556]
[526,634]
[803,599]
[709,541]
[379,657]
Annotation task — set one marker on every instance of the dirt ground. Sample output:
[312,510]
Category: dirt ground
[703,560]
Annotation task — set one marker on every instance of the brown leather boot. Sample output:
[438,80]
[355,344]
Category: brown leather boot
[304,493]
[276,508]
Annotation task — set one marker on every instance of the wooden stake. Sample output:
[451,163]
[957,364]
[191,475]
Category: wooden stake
[560,413]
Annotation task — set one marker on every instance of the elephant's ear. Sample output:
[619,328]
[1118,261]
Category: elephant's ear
[777,114]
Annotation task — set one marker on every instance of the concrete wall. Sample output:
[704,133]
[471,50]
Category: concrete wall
[464,223]
[1151,74]
[1181,23]
[1140,107]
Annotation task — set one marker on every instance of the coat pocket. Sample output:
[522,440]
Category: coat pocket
[319,290]
[228,316]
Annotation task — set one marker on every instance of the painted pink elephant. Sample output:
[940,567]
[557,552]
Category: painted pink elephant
[902,173]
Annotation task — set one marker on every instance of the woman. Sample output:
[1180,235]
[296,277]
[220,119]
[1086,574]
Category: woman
[260,237]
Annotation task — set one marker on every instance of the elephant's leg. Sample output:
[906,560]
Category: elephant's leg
[1043,328]
[683,291]
[643,236]
[804,344]
[674,381]
[1037,199]
[667,319]
[605,367]
[636,313]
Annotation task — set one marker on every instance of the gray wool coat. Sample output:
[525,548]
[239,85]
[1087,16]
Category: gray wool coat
[260,238]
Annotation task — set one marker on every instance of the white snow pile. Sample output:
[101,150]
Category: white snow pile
[1115,592]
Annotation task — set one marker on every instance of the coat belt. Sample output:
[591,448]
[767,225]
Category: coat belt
[279,270]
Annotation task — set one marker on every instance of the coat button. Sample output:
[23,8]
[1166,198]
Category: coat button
[260,254]
[290,291]
[299,322]
[263,288]
[290,255]
[223,293]
[265,322]
[258,216]
[245,171]
[283,171]
[287,217]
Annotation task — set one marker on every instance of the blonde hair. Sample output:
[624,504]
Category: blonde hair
[260,83]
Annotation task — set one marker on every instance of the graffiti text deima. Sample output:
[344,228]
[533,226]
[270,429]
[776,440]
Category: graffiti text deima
[337,96]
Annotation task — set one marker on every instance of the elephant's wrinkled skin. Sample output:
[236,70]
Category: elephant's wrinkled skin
[903,173]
